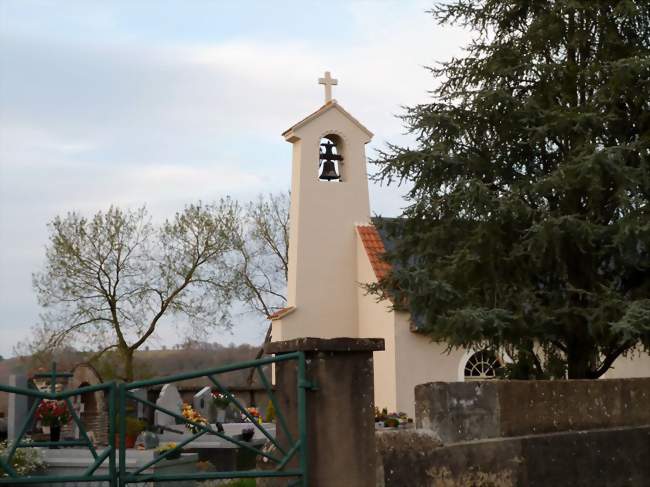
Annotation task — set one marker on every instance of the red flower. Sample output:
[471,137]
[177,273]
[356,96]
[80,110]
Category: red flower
[53,413]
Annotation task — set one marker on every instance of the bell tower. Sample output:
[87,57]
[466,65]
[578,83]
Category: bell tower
[329,196]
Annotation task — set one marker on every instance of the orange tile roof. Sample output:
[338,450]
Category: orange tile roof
[374,246]
[280,313]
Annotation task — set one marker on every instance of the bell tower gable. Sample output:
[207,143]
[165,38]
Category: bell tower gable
[297,131]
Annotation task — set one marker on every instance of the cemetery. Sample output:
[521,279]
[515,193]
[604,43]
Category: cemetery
[462,434]
[495,334]
[75,433]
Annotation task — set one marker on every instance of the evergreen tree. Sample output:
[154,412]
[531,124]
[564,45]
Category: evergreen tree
[528,221]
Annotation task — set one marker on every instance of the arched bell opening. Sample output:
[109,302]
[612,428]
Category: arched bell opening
[330,158]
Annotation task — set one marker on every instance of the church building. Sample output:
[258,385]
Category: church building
[334,249]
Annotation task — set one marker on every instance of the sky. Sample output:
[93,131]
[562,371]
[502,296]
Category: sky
[167,102]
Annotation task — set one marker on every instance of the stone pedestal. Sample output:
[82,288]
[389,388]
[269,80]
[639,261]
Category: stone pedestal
[340,410]
[17,407]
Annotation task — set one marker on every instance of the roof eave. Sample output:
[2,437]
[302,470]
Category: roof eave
[278,315]
[291,136]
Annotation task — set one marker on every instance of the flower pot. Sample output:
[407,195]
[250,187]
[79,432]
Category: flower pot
[55,435]
[221,415]
[391,423]
[247,434]
[129,441]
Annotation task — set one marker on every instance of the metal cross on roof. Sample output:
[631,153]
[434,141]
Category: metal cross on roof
[328,81]
[53,375]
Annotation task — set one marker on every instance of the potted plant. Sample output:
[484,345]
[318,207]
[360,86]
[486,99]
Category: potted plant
[192,415]
[391,420]
[53,415]
[270,412]
[254,413]
[134,427]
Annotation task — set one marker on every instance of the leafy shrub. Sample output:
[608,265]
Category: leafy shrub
[134,426]
[26,461]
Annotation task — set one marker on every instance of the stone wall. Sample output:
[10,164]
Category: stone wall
[617,457]
[523,434]
[460,411]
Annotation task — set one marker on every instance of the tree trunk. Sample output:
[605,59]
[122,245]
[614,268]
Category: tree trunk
[260,352]
[580,362]
[127,356]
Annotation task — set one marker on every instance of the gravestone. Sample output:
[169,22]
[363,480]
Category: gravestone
[17,411]
[171,400]
[141,412]
[202,403]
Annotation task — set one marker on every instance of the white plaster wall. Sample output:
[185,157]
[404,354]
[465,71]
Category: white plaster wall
[418,361]
[409,359]
[636,364]
[377,320]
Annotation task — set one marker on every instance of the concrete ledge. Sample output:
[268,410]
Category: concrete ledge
[310,344]
[612,457]
[462,411]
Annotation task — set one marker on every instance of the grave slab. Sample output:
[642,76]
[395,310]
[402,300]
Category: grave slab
[73,461]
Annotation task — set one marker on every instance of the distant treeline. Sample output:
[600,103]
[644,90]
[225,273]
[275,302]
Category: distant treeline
[190,356]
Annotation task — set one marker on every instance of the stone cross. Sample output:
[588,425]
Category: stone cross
[328,81]
[171,400]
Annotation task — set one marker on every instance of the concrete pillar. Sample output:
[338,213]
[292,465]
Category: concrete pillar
[340,410]
[17,410]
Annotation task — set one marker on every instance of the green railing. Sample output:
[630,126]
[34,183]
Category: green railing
[89,475]
[293,446]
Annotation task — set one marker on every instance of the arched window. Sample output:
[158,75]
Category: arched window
[330,158]
[483,365]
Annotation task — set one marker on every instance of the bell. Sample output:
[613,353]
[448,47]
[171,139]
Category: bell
[327,158]
[329,171]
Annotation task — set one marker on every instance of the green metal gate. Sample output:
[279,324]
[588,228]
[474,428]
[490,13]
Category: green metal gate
[289,458]
[11,477]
